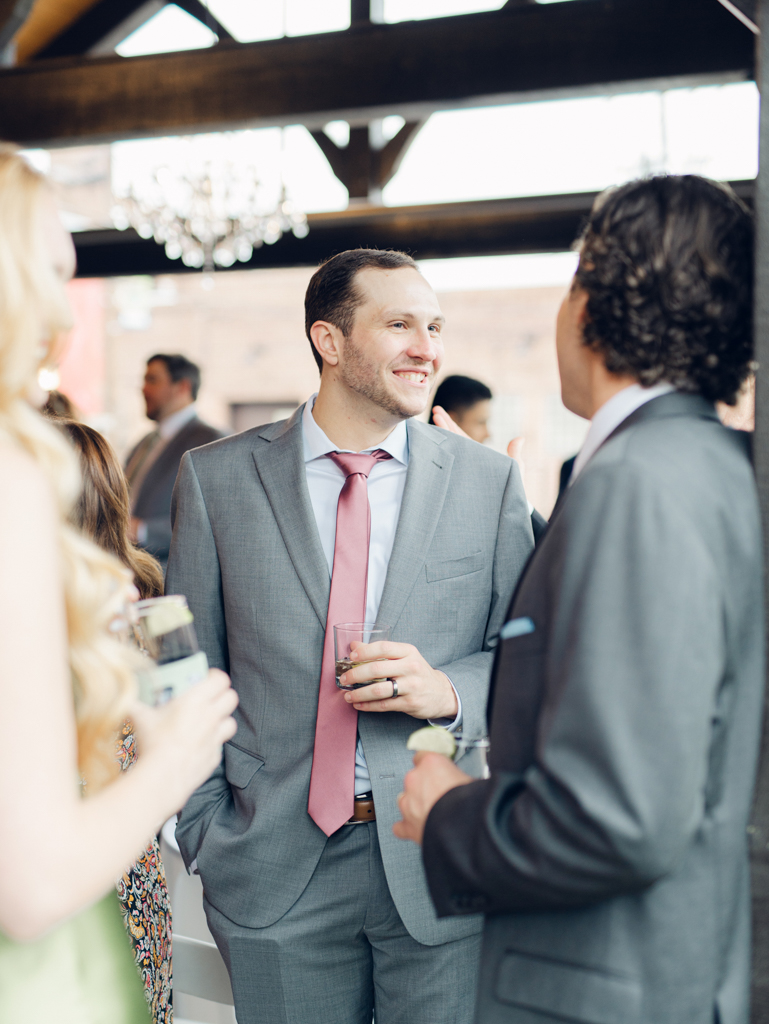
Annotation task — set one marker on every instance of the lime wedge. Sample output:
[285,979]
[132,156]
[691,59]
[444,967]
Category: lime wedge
[164,618]
[432,737]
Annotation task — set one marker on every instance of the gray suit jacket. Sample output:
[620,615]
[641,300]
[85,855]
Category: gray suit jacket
[153,502]
[246,552]
[609,846]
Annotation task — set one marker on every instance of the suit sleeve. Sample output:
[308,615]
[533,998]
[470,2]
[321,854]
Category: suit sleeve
[193,570]
[628,675]
[514,544]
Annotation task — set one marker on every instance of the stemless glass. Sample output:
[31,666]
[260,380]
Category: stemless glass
[347,633]
[480,762]
[163,630]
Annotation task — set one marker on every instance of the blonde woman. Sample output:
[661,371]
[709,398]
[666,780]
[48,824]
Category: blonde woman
[65,685]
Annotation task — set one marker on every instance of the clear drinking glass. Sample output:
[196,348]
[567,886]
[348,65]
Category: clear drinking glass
[347,633]
[163,630]
[480,762]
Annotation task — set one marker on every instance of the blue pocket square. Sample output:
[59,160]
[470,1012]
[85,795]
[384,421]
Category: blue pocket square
[517,627]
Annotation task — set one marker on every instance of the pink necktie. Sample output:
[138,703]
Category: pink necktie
[332,783]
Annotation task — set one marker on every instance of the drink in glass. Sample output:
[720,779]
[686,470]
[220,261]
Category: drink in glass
[163,630]
[347,633]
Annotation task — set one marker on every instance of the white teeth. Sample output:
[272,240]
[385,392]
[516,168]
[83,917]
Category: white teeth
[415,378]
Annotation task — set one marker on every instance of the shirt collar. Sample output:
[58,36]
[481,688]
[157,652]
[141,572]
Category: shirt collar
[606,420]
[317,444]
[171,425]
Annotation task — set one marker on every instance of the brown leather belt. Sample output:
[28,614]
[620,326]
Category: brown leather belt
[363,810]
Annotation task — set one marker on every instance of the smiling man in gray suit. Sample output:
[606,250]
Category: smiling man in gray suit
[609,846]
[349,510]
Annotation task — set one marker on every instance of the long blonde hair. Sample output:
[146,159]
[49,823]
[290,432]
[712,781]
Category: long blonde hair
[34,311]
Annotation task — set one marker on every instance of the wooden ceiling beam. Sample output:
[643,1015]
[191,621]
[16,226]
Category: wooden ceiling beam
[363,167]
[49,19]
[107,22]
[482,228]
[411,68]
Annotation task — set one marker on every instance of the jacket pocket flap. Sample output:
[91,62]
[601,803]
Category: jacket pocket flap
[567,991]
[454,567]
[240,766]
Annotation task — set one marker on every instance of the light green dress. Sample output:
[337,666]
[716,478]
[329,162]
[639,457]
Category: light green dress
[82,972]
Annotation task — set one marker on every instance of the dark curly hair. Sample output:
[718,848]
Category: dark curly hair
[667,263]
[332,294]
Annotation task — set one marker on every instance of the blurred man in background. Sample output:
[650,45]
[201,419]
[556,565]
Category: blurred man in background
[468,403]
[171,386]
[463,406]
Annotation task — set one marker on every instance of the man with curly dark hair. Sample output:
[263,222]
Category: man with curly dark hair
[608,847]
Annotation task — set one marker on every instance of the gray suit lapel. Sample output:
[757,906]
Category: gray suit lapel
[280,466]
[425,492]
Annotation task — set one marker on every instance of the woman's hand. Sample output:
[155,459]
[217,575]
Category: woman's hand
[442,419]
[181,741]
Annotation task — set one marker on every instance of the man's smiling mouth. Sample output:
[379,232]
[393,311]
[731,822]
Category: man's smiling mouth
[412,376]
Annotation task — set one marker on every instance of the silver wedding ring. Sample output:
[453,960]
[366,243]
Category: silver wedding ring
[395,688]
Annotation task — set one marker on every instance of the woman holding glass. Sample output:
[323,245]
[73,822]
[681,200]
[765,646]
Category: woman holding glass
[70,821]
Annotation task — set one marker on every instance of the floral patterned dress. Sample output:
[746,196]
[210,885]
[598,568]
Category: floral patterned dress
[143,897]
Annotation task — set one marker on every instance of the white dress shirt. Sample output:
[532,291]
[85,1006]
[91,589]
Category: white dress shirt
[606,420]
[386,482]
[171,425]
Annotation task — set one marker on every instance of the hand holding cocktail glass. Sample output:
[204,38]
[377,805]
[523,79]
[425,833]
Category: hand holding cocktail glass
[183,712]
[433,775]
[419,690]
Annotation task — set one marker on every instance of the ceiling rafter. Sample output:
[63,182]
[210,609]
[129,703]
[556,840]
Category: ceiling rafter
[480,228]
[106,23]
[363,167]
[412,69]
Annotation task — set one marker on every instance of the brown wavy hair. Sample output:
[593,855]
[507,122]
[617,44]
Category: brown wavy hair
[102,511]
[667,263]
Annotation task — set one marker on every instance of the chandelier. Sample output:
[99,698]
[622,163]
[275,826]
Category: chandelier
[207,212]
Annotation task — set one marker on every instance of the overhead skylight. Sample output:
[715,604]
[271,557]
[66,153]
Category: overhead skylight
[580,145]
[418,10]
[252,20]
[169,30]
[488,273]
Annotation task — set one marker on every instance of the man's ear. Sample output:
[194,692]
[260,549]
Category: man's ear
[581,298]
[184,385]
[326,339]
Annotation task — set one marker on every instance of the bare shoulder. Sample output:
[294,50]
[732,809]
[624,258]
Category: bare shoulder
[28,513]
[25,485]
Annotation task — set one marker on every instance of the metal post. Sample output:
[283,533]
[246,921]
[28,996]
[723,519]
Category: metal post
[759,829]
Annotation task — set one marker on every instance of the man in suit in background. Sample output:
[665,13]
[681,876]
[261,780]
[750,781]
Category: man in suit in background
[171,386]
[608,848]
[351,510]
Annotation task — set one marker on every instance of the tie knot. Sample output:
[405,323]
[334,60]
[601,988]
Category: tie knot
[358,462]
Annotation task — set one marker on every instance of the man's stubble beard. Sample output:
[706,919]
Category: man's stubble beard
[360,376]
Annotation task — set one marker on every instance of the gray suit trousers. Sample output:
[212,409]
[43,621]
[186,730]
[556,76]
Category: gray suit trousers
[342,952]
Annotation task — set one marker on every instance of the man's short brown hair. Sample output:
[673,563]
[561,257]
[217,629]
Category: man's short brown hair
[332,295]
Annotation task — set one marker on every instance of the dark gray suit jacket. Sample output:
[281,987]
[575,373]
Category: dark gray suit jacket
[608,849]
[153,503]
[247,554]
